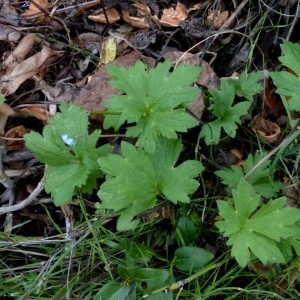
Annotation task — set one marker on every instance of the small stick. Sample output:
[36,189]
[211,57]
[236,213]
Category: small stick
[25,202]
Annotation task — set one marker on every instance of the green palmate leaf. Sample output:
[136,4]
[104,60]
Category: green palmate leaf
[291,55]
[228,116]
[153,100]
[69,152]
[136,178]
[288,84]
[247,85]
[261,180]
[257,231]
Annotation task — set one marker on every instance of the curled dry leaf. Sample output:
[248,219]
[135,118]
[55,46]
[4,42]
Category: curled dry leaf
[31,66]
[268,132]
[18,55]
[137,22]
[217,18]
[7,33]
[34,8]
[15,136]
[141,19]
[172,17]
[6,110]
[38,112]
[111,13]
[237,153]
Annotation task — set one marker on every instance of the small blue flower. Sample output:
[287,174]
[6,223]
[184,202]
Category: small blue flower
[68,140]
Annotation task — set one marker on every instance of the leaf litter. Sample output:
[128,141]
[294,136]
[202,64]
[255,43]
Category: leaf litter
[54,51]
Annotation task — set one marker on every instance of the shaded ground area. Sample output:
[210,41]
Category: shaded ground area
[58,50]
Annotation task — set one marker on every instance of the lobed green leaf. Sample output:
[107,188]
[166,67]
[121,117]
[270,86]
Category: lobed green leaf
[152,100]
[135,179]
[255,231]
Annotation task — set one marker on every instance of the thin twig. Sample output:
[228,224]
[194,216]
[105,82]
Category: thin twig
[25,202]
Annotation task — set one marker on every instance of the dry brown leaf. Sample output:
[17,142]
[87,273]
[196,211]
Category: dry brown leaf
[137,22]
[268,132]
[98,89]
[89,41]
[292,191]
[38,112]
[197,107]
[14,134]
[19,54]
[172,17]
[196,6]
[24,70]
[6,110]
[112,16]
[208,78]
[237,153]
[269,95]
[34,9]
[218,18]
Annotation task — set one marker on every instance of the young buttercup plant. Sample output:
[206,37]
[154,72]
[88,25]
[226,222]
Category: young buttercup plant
[228,116]
[221,105]
[267,232]
[136,179]
[69,152]
[153,102]
[262,180]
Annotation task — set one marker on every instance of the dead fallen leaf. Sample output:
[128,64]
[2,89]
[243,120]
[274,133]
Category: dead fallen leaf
[109,50]
[38,112]
[24,70]
[172,17]
[6,110]
[14,135]
[140,21]
[292,191]
[19,54]
[268,132]
[197,107]
[89,41]
[112,16]
[237,153]
[208,78]
[269,95]
[98,89]
[34,8]
[217,18]
[7,33]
